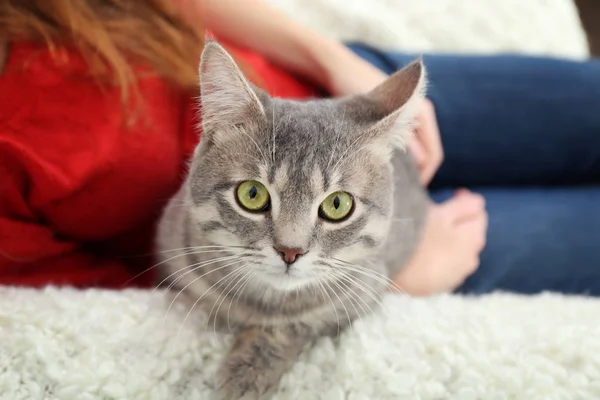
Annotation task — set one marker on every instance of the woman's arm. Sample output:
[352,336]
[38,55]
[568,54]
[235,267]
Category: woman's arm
[257,26]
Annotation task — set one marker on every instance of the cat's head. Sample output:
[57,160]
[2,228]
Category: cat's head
[303,188]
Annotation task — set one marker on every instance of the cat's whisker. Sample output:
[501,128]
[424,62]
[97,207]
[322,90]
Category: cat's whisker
[374,274]
[362,285]
[273,137]
[354,153]
[202,248]
[154,253]
[225,293]
[404,220]
[384,280]
[202,296]
[345,293]
[337,139]
[324,291]
[379,301]
[327,283]
[178,202]
[188,269]
[273,324]
[185,253]
[195,267]
[182,203]
[395,288]
[242,292]
[198,278]
[156,266]
[365,289]
[245,279]
[351,147]
[317,290]
[255,144]
[353,296]
[239,155]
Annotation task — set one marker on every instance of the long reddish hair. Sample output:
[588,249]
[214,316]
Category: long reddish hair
[112,35]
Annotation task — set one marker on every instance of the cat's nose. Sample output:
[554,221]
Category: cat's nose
[289,256]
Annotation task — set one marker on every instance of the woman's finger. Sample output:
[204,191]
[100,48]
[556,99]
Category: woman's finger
[463,207]
[429,137]
[416,149]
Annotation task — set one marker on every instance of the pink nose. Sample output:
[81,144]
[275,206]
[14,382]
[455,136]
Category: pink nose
[288,255]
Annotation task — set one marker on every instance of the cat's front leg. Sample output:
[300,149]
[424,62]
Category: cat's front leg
[258,360]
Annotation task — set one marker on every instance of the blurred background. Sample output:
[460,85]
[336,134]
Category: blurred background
[565,28]
[589,12]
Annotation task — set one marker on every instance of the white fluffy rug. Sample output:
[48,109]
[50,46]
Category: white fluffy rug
[549,27]
[101,345]
[95,345]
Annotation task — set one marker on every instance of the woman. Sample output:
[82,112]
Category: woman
[96,124]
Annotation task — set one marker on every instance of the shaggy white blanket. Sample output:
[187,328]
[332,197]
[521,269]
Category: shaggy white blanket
[102,345]
[545,27]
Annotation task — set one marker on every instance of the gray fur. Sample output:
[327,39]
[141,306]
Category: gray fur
[302,152]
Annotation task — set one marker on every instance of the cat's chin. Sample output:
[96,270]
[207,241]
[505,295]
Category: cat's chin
[286,281]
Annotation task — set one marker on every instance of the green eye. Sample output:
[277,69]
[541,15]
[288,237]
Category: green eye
[336,206]
[253,196]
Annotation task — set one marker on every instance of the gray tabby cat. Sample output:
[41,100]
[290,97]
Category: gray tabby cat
[293,215]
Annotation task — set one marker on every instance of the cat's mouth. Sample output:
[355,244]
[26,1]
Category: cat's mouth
[289,271]
[289,277]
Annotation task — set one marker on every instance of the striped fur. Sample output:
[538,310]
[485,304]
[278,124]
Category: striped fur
[301,152]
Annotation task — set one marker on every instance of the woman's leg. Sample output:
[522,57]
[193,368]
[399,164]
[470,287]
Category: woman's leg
[539,239]
[511,120]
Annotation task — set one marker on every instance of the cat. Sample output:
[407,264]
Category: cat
[293,216]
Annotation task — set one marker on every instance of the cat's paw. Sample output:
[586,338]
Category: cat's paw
[240,380]
[257,361]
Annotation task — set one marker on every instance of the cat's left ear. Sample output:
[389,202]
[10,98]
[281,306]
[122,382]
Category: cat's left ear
[227,98]
[395,104]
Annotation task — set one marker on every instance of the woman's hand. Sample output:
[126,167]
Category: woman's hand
[426,144]
[258,26]
[346,73]
[451,242]
[349,74]
[455,231]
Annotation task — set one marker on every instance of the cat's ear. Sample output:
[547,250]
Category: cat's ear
[227,98]
[395,104]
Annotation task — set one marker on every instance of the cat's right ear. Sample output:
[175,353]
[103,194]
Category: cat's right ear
[393,106]
[227,98]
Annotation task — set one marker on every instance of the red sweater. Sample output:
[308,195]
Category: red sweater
[79,193]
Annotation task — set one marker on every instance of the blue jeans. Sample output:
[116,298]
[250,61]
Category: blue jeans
[524,132]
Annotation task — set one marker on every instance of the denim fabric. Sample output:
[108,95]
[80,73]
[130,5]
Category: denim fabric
[524,132]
